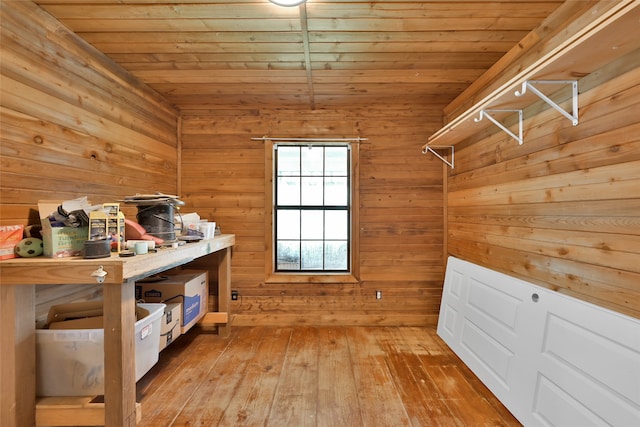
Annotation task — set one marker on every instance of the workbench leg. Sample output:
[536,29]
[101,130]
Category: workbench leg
[224,289]
[17,356]
[119,354]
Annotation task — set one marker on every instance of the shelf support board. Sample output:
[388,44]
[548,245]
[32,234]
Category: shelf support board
[487,114]
[427,149]
[529,84]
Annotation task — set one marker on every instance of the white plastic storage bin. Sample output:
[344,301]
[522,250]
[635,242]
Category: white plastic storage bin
[71,362]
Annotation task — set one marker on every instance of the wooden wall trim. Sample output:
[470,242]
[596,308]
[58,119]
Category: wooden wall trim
[179,155]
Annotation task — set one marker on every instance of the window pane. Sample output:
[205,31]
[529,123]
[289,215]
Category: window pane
[312,163]
[312,225]
[288,255]
[288,161]
[288,226]
[336,255]
[288,190]
[312,207]
[312,191]
[336,225]
[336,192]
[311,255]
[336,161]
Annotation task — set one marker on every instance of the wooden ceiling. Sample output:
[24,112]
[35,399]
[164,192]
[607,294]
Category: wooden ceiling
[325,54]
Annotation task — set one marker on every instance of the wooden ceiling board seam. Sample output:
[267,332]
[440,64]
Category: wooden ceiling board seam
[307,53]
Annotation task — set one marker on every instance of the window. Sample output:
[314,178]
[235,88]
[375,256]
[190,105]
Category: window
[312,208]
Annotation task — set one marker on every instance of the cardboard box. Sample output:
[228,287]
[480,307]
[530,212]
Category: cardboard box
[115,226]
[108,223]
[60,242]
[10,236]
[188,287]
[170,324]
[82,315]
[98,225]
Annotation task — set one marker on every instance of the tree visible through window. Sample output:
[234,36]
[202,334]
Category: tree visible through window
[312,208]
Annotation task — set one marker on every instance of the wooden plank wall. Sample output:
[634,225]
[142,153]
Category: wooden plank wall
[74,124]
[562,210]
[401,212]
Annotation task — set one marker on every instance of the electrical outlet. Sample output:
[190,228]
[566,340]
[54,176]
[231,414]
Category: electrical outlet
[378,294]
[234,295]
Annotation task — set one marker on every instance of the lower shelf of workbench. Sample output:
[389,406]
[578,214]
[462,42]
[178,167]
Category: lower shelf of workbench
[73,411]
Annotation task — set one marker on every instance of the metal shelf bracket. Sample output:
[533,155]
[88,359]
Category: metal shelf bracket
[487,114]
[427,149]
[529,84]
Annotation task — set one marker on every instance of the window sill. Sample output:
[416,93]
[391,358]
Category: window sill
[311,278]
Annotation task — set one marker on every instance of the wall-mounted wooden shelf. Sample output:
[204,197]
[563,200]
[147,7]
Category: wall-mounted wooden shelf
[608,30]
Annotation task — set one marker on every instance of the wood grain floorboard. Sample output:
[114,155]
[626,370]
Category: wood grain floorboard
[336,380]
[326,376]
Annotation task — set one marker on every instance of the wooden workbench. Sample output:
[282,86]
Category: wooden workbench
[18,278]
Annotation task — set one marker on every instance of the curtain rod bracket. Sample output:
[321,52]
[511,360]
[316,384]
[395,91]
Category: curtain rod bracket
[529,84]
[486,113]
[427,149]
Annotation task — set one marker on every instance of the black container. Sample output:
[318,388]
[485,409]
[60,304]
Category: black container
[157,220]
[97,249]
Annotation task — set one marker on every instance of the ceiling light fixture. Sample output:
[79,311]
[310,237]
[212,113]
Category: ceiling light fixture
[287,3]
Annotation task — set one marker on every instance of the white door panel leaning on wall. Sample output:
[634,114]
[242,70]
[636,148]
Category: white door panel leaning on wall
[551,359]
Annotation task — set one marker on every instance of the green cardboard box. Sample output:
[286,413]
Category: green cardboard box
[60,242]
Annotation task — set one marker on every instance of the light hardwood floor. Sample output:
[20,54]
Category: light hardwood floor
[315,376]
